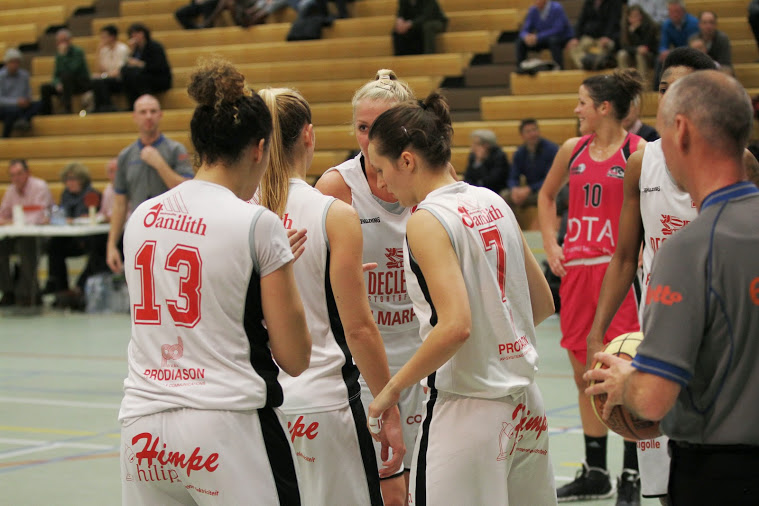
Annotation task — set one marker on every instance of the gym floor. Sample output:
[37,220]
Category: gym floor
[61,384]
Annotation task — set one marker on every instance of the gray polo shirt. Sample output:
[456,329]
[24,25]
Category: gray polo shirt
[138,180]
[701,323]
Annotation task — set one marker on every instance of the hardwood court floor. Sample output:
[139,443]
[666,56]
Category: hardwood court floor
[61,384]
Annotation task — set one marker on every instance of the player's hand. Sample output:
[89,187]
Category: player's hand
[595,345]
[386,399]
[391,438]
[151,156]
[555,255]
[113,259]
[369,267]
[297,241]
[611,380]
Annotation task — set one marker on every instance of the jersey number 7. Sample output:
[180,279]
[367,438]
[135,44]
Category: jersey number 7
[184,312]
[491,238]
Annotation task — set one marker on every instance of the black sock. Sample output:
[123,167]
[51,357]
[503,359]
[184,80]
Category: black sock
[595,451]
[630,459]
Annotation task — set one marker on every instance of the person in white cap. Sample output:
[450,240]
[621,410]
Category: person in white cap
[16,106]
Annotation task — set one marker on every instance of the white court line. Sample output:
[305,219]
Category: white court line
[40,446]
[60,403]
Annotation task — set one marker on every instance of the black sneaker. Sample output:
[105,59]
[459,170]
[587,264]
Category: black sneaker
[628,488]
[591,483]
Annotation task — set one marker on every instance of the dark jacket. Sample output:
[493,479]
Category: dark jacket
[73,62]
[73,203]
[155,60]
[420,11]
[534,169]
[647,34]
[603,22]
[493,173]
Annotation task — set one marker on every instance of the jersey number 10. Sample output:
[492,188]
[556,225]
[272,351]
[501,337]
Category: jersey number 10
[184,314]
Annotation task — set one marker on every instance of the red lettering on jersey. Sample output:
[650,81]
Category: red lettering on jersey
[195,462]
[664,295]
[754,291]
[394,258]
[395,317]
[386,283]
[287,222]
[414,419]
[538,424]
[671,224]
[298,429]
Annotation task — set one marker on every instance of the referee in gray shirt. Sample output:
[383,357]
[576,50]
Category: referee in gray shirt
[146,168]
[697,370]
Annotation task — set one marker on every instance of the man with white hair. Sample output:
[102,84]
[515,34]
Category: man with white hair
[16,106]
[695,370]
[70,74]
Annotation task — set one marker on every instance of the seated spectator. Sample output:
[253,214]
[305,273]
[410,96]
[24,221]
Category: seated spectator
[76,199]
[531,161]
[753,19]
[70,74]
[417,24]
[596,32]
[715,42]
[111,56]
[32,196]
[675,32]
[638,42]
[546,26]
[656,9]
[147,69]
[16,106]
[634,125]
[487,165]
[187,15]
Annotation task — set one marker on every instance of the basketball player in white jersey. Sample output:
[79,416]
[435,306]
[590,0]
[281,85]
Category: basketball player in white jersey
[383,224]
[199,418]
[478,293]
[652,211]
[323,405]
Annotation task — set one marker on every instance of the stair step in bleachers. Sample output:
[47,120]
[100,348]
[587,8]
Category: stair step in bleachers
[42,17]
[546,83]
[723,8]
[14,35]
[541,107]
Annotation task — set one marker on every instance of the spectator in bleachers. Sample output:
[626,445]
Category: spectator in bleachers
[596,32]
[753,19]
[16,106]
[187,16]
[147,69]
[634,125]
[146,168]
[487,165]
[112,54]
[546,26]
[70,75]
[532,161]
[715,42]
[677,29]
[76,199]
[32,196]
[417,24]
[656,9]
[639,41]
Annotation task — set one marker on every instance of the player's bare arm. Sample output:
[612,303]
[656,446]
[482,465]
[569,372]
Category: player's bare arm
[541,298]
[625,385]
[285,317]
[333,184]
[431,248]
[557,177]
[361,333]
[624,263]
[118,218]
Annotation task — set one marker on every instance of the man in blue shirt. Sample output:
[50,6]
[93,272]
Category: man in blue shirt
[16,106]
[545,27]
[532,160]
[675,32]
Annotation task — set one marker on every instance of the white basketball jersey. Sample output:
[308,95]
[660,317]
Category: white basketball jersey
[193,259]
[499,358]
[664,208]
[384,234]
[331,377]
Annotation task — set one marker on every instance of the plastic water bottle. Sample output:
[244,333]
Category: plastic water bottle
[57,216]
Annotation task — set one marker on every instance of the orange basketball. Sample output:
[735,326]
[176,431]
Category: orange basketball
[621,420]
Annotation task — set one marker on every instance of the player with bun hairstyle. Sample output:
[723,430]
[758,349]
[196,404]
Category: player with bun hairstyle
[594,167]
[204,268]
[383,224]
[478,293]
[323,405]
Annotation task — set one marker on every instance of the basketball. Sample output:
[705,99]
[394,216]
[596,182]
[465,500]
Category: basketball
[621,420]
